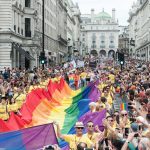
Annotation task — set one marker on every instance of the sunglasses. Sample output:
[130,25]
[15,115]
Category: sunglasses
[79,127]
[111,120]
[124,114]
[91,126]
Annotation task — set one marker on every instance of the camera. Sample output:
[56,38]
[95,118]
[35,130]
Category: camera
[50,147]
[130,107]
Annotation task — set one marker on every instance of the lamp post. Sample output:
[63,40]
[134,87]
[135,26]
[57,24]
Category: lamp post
[43,32]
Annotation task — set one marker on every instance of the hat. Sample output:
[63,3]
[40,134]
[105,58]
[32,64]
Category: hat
[92,104]
[79,124]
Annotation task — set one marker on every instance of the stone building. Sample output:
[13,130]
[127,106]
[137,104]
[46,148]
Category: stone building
[21,32]
[99,34]
[139,30]
[73,28]
[123,45]
[17,21]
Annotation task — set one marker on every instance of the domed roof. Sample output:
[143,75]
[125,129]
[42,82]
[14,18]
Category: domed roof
[103,15]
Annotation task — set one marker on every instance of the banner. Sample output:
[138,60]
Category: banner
[80,64]
[31,138]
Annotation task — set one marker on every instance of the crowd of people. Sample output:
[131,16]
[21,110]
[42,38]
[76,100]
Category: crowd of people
[123,128]
[125,95]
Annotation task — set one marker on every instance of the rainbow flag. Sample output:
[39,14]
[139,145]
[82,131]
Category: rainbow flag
[123,106]
[28,139]
[56,102]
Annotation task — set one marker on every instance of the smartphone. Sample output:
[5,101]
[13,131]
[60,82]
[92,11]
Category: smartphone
[140,127]
[136,135]
[126,131]
[106,141]
[117,119]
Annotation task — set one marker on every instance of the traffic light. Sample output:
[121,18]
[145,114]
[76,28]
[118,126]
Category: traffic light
[121,58]
[42,58]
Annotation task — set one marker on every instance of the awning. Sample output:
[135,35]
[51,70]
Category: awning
[23,52]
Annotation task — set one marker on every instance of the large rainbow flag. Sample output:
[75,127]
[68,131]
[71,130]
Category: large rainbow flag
[56,102]
[28,139]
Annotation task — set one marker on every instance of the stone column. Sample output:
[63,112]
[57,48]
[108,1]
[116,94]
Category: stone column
[18,64]
[14,57]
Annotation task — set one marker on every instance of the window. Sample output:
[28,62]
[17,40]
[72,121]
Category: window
[27,27]
[28,3]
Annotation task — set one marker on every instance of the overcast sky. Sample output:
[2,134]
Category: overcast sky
[122,7]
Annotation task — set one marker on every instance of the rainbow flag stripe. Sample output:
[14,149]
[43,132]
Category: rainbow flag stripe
[123,106]
[56,102]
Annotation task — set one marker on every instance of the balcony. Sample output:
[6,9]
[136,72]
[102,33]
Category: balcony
[111,46]
[102,46]
[62,40]
[27,33]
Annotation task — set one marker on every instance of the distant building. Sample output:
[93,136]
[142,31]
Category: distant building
[99,34]
[123,45]
[73,28]
[139,30]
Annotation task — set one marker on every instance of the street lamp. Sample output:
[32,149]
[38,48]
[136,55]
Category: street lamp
[43,25]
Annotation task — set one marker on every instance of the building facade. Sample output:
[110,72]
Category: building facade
[123,45]
[139,30]
[17,21]
[55,29]
[21,32]
[99,34]
[73,28]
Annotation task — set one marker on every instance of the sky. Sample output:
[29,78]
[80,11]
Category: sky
[122,8]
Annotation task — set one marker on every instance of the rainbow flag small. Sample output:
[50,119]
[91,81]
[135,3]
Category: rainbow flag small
[123,106]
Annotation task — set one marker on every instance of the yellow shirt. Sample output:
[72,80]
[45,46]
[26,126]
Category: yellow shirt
[127,125]
[12,107]
[83,75]
[20,99]
[109,98]
[93,137]
[73,141]
[3,114]
[112,78]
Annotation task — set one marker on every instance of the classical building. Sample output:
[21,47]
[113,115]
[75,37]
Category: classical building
[21,32]
[99,33]
[17,22]
[73,28]
[55,29]
[139,30]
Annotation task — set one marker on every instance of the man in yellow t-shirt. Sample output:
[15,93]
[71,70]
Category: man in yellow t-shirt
[75,139]
[91,135]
